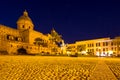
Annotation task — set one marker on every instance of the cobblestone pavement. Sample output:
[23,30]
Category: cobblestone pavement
[102,72]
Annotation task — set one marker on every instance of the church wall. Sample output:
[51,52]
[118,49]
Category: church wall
[25,36]
[7,30]
[12,48]
[28,37]
[34,34]
[4,32]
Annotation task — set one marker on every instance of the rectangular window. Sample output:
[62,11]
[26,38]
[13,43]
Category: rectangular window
[92,45]
[88,45]
[96,44]
[99,44]
[96,49]
[88,50]
[106,43]
[103,49]
[92,50]
[111,43]
[112,48]
[103,43]
[106,49]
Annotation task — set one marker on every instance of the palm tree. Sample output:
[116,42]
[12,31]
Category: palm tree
[55,37]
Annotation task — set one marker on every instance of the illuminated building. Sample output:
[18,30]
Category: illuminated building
[25,37]
[99,47]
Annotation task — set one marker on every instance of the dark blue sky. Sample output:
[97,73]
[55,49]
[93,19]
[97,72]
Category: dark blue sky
[74,20]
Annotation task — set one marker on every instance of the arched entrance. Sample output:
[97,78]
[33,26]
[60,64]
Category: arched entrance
[22,51]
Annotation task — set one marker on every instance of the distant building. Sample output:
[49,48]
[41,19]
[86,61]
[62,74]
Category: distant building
[26,37]
[99,47]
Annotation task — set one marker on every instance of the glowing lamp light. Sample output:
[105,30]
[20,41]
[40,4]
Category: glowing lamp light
[110,52]
[84,52]
[103,54]
[68,52]
[97,53]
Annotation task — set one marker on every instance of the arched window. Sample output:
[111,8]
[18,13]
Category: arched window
[8,37]
[11,37]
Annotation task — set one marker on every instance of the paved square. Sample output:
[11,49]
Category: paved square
[58,68]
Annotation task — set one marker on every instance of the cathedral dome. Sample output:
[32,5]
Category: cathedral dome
[24,18]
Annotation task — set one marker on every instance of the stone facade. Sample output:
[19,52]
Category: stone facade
[99,47]
[24,37]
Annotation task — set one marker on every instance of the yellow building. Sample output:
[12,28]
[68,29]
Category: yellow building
[99,47]
[25,37]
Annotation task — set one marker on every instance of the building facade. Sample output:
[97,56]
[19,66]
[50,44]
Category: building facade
[99,47]
[26,37]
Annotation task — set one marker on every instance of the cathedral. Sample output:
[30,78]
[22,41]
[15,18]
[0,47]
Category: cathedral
[25,37]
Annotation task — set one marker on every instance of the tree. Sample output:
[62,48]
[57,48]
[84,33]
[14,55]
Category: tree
[55,37]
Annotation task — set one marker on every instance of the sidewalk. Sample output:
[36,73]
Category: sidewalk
[102,72]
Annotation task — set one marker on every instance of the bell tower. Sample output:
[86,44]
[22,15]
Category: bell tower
[24,22]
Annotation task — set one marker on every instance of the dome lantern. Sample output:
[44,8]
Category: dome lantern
[25,13]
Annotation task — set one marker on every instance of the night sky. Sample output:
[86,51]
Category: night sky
[78,20]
